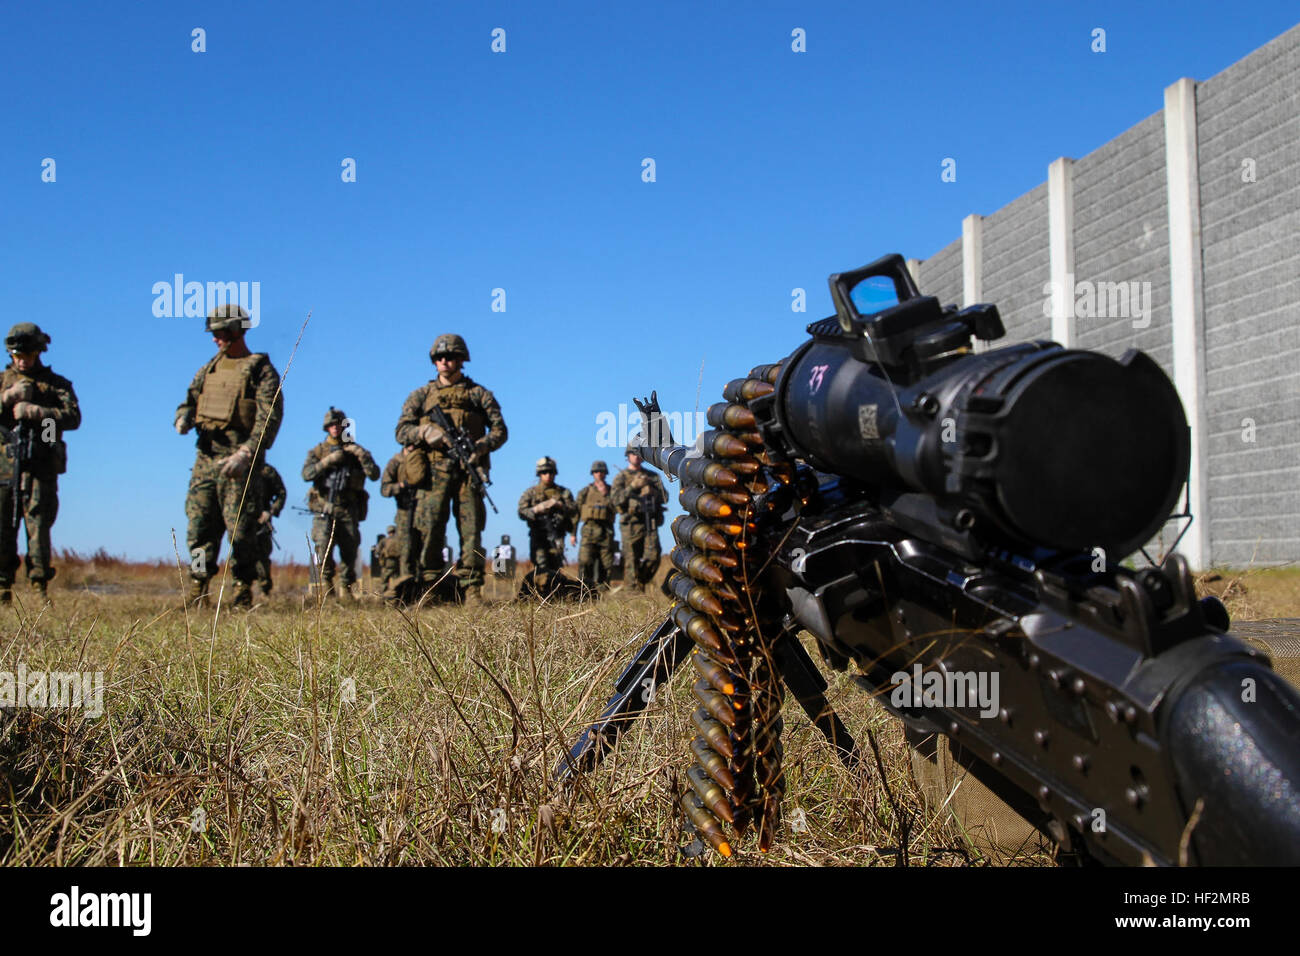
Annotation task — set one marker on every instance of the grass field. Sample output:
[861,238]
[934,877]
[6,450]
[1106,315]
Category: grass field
[299,734]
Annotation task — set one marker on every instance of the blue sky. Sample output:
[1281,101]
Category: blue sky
[519,171]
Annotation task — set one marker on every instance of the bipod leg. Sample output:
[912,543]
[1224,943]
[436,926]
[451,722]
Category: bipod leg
[808,686]
[654,664]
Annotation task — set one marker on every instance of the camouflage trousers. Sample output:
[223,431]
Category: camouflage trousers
[399,551]
[340,532]
[212,506]
[547,553]
[264,548]
[596,554]
[433,507]
[640,552]
[40,508]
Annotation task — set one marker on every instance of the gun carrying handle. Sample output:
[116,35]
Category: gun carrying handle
[1230,737]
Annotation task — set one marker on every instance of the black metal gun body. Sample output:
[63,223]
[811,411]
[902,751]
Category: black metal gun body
[1090,731]
[20,439]
[950,523]
[461,449]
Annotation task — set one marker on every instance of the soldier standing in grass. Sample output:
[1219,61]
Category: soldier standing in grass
[235,404]
[639,496]
[338,468]
[550,512]
[390,558]
[404,477]
[271,497]
[596,513]
[45,406]
[471,407]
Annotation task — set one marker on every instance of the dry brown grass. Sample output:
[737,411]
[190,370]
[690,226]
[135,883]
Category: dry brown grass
[227,739]
[459,719]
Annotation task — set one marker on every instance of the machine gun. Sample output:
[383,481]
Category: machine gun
[950,524]
[461,449]
[19,441]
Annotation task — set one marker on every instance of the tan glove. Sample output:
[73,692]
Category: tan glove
[334,458]
[433,436]
[480,452]
[183,424]
[546,506]
[235,465]
[20,391]
[264,517]
[353,449]
[29,412]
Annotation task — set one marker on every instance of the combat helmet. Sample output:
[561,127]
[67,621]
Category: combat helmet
[392,529]
[599,466]
[546,463]
[449,344]
[230,316]
[335,416]
[26,337]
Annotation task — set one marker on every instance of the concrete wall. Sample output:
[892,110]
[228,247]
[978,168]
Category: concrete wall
[940,275]
[1180,237]
[1248,127]
[1016,267]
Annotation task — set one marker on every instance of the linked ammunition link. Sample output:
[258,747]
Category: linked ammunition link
[736,778]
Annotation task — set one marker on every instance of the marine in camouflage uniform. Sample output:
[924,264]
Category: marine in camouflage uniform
[31,394]
[596,514]
[338,524]
[390,557]
[404,477]
[235,404]
[472,408]
[271,498]
[638,490]
[551,513]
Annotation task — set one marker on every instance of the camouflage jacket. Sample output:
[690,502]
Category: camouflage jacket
[273,494]
[469,406]
[53,394]
[359,467]
[407,470]
[567,509]
[630,485]
[596,506]
[258,400]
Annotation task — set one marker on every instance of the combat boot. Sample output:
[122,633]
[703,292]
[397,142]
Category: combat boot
[6,594]
[40,588]
[243,595]
[197,595]
[473,596]
[343,594]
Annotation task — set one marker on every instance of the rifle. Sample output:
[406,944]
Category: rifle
[461,449]
[19,440]
[926,515]
[552,524]
[335,482]
[652,510]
